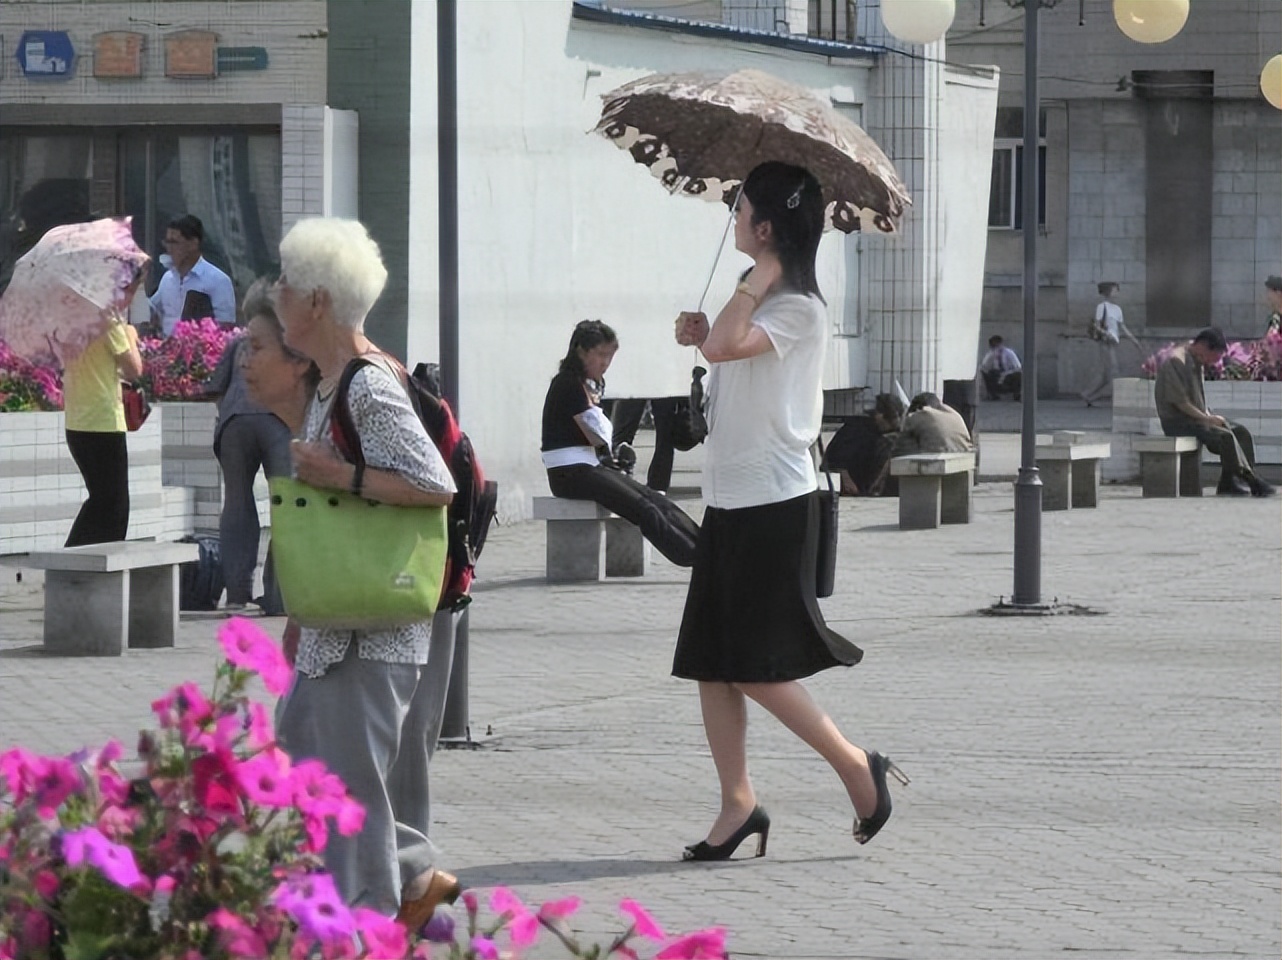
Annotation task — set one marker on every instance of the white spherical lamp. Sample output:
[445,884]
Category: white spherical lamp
[1150,21]
[918,21]
[1271,81]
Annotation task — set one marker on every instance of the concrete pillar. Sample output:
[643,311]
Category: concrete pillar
[1056,482]
[627,553]
[153,606]
[954,497]
[574,550]
[919,503]
[86,614]
[1086,476]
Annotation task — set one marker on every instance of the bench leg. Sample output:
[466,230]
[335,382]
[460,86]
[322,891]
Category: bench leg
[574,550]
[918,503]
[1057,479]
[1161,474]
[86,614]
[627,553]
[153,607]
[954,497]
[1191,473]
[1086,475]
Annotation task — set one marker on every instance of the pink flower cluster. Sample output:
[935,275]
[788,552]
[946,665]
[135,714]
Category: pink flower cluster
[176,367]
[25,386]
[1243,360]
[519,927]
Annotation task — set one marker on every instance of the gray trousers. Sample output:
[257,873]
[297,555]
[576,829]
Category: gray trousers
[375,725]
[1101,384]
[246,442]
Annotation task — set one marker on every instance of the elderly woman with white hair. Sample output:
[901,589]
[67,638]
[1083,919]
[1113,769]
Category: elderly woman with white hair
[355,692]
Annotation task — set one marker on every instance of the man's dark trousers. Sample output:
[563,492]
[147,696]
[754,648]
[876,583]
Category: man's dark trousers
[1232,444]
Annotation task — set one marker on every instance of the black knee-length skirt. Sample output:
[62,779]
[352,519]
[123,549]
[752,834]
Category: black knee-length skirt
[751,615]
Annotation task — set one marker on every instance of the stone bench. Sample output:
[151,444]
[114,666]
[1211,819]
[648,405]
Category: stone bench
[1070,470]
[584,539]
[104,597]
[933,488]
[1170,466]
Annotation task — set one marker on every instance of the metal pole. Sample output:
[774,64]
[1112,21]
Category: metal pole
[447,200]
[455,727]
[1028,488]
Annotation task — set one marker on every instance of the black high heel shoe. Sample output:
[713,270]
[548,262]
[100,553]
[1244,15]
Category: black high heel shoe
[878,766]
[758,822]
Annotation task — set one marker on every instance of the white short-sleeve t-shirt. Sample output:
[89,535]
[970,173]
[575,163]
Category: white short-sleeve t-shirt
[765,412]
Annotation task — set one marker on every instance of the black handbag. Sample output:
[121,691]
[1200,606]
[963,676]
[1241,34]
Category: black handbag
[689,426]
[826,555]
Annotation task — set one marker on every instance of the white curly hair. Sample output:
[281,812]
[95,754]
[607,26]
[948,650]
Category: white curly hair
[339,257]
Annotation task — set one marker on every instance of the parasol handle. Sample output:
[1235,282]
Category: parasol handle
[720,247]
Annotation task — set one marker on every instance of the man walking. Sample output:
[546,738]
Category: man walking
[1181,406]
[192,288]
[1273,290]
[1001,370]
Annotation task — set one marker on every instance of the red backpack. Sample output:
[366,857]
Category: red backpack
[476,501]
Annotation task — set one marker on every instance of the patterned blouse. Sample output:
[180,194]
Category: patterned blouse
[392,438]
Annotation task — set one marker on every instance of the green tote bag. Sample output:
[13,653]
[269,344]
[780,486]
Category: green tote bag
[344,562]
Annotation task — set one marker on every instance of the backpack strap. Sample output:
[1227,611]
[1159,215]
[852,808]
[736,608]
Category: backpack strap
[342,427]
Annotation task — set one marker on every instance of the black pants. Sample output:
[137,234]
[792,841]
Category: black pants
[662,522]
[995,386]
[103,462]
[1232,444]
[626,418]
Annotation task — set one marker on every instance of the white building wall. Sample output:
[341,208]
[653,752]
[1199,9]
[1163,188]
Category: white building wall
[558,225]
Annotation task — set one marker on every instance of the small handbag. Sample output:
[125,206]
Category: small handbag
[826,556]
[137,407]
[689,425]
[344,562]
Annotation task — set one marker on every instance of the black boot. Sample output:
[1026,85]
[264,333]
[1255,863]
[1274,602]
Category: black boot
[1259,487]
[1233,487]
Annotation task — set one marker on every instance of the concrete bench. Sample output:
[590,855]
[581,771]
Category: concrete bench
[1170,466]
[103,597]
[933,488]
[584,539]
[1070,470]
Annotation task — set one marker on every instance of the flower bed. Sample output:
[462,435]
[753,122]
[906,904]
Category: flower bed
[211,851]
[1259,360]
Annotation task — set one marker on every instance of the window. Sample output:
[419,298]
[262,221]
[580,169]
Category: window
[44,181]
[1006,194]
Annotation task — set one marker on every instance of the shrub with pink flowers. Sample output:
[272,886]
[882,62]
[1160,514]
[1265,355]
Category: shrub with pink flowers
[1243,360]
[176,367]
[25,386]
[208,848]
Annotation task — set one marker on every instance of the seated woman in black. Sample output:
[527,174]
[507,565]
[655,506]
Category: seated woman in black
[577,443]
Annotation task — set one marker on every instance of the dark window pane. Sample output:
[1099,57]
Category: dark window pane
[999,208]
[44,182]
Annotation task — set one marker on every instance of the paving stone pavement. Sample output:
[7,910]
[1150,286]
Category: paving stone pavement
[1094,786]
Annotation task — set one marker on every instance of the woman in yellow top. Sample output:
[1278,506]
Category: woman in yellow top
[95,419]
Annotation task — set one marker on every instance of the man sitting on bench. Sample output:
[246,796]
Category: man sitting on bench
[1181,406]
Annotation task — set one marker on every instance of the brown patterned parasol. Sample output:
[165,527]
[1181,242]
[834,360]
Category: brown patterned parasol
[701,134]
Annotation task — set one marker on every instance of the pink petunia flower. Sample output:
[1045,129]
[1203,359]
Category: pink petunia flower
[314,901]
[47,883]
[186,708]
[560,909]
[524,930]
[259,724]
[485,948]
[249,647]
[503,900]
[113,861]
[266,780]
[644,924]
[214,783]
[707,944]
[235,935]
[383,937]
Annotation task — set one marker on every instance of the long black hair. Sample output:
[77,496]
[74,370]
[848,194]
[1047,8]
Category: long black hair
[587,335]
[790,199]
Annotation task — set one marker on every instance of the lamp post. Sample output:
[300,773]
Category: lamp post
[1145,21]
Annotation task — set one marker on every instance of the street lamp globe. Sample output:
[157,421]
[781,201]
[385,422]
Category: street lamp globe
[1271,81]
[1150,21]
[918,21]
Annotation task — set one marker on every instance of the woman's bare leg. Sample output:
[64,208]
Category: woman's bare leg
[725,723]
[793,706]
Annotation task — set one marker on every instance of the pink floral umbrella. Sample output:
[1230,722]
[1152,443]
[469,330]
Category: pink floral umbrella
[67,288]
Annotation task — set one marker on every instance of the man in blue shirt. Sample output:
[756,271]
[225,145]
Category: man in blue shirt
[192,288]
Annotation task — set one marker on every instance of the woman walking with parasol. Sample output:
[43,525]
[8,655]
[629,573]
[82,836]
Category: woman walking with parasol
[752,626]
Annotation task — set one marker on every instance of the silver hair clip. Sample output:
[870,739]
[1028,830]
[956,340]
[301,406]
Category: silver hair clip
[795,200]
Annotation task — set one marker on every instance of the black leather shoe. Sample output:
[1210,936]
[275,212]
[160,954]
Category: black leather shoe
[758,823]
[1260,488]
[1233,487]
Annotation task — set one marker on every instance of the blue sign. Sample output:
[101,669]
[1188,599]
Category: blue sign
[46,54]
